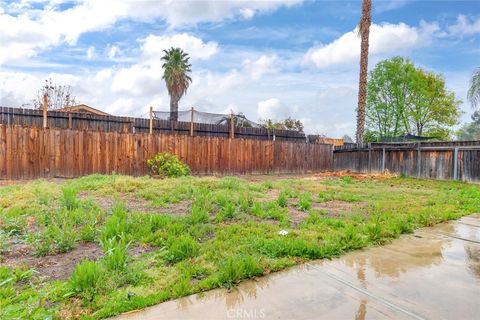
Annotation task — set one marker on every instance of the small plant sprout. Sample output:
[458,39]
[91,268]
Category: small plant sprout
[304,201]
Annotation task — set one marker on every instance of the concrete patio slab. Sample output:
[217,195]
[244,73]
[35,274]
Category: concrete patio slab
[431,274]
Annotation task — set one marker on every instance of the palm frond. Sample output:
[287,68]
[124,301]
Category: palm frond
[474,90]
[176,68]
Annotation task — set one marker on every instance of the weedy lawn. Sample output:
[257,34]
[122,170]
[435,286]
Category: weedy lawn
[101,245]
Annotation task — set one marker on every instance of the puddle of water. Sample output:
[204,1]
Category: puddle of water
[434,274]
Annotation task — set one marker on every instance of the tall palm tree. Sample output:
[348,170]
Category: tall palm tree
[176,70]
[474,91]
[364,31]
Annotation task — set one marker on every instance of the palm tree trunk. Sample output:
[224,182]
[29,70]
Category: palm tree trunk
[173,109]
[362,85]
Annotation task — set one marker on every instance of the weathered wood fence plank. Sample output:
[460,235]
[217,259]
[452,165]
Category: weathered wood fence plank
[432,160]
[34,152]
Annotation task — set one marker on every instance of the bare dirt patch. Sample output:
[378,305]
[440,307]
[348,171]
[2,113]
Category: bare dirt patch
[331,209]
[271,195]
[59,266]
[359,176]
[296,216]
[337,208]
[139,205]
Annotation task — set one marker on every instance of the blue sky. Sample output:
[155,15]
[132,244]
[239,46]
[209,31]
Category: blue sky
[267,59]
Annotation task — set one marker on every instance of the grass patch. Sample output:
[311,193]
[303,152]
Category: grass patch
[229,233]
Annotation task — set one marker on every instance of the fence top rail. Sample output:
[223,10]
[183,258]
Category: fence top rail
[408,145]
[28,116]
[412,148]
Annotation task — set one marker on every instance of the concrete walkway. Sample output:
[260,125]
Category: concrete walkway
[432,274]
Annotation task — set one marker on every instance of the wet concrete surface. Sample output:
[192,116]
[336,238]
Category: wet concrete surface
[431,274]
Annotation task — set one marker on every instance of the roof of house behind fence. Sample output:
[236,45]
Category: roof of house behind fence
[83,108]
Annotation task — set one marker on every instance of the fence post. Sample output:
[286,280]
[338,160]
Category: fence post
[44,111]
[151,120]
[70,120]
[369,157]
[232,127]
[419,160]
[455,163]
[191,122]
[383,160]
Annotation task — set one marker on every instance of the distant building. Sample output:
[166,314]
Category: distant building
[83,108]
[313,138]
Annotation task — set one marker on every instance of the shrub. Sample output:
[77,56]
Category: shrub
[181,248]
[167,165]
[86,279]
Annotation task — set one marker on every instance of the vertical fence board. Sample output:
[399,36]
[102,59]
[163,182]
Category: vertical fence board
[33,152]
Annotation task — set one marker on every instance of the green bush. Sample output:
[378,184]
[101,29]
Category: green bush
[167,165]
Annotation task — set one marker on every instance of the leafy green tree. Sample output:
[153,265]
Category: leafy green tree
[470,131]
[432,109]
[387,97]
[405,99]
[176,69]
[287,124]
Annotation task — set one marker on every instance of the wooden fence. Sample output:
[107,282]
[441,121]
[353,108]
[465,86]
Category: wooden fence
[83,121]
[434,160]
[32,152]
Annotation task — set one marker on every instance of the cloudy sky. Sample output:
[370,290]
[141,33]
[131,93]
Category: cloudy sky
[267,59]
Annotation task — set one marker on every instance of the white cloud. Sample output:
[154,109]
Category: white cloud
[263,65]
[464,26]
[273,109]
[145,77]
[112,52]
[25,31]
[389,5]
[153,46]
[384,38]
[90,52]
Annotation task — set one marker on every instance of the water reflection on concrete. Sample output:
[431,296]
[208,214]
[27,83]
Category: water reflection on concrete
[433,274]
